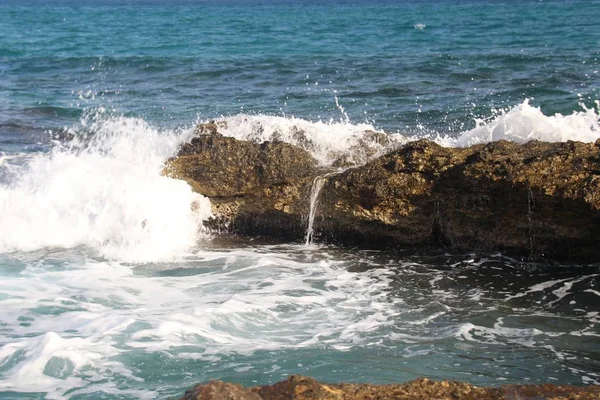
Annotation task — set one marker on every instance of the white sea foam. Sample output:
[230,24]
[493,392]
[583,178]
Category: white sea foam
[327,141]
[359,143]
[525,122]
[87,326]
[103,311]
[106,192]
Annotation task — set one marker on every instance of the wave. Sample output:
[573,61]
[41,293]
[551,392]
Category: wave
[329,142]
[344,143]
[525,123]
[105,190]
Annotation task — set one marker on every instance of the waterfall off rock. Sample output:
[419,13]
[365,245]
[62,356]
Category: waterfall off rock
[317,185]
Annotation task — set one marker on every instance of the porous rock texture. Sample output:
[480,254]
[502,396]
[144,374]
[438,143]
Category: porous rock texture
[536,199]
[298,387]
[255,189]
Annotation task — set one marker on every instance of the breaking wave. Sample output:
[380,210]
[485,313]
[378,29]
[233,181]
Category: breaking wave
[345,143]
[525,123]
[103,189]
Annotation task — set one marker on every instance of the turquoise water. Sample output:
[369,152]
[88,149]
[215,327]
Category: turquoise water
[171,62]
[111,288]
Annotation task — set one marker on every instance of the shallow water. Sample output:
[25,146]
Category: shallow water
[76,325]
[110,287]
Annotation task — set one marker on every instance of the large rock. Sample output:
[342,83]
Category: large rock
[255,189]
[537,199]
[540,199]
[298,387]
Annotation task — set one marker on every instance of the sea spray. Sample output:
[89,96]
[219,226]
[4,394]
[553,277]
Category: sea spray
[105,190]
[331,141]
[525,122]
[326,141]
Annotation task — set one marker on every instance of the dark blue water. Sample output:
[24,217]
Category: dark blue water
[108,289]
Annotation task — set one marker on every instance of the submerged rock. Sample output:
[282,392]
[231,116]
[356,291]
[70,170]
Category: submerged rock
[538,199]
[298,387]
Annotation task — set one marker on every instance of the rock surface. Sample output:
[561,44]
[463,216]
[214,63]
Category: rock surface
[255,189]
[298,387]
[538,199]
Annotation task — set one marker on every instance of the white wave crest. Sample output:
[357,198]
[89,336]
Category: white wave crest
[525,122]
[328,142]
[106,192]
[356,144]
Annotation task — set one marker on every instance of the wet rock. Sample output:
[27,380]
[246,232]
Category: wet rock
[210,128]
[366,148]
[298,387]
[538,199]
[255,189]
[217,390]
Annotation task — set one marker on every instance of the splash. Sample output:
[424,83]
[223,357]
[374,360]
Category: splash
[342,144]
[525,122]
[104,190]
[330,142]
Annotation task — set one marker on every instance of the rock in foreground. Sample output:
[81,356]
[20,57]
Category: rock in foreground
[537,199]
[303,388]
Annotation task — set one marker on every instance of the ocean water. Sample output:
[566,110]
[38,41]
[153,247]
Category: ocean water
[110,287]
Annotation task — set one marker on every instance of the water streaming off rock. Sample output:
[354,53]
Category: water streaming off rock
[315,189]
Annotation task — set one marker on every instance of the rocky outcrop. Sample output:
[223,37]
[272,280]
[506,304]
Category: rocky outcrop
[255,189]
[303,388]
[538,199]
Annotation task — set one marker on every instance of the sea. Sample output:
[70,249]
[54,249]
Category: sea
[112,288]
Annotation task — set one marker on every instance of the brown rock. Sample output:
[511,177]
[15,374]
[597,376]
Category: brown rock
[255,189]
[538,199]
[298,387]
[217,390]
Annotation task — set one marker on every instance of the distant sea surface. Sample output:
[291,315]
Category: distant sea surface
[109,286]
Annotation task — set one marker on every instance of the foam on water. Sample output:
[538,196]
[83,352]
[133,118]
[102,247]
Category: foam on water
[356,144]
[326,141]
[525,122]
[105,191]
[87,326]
[70,326]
